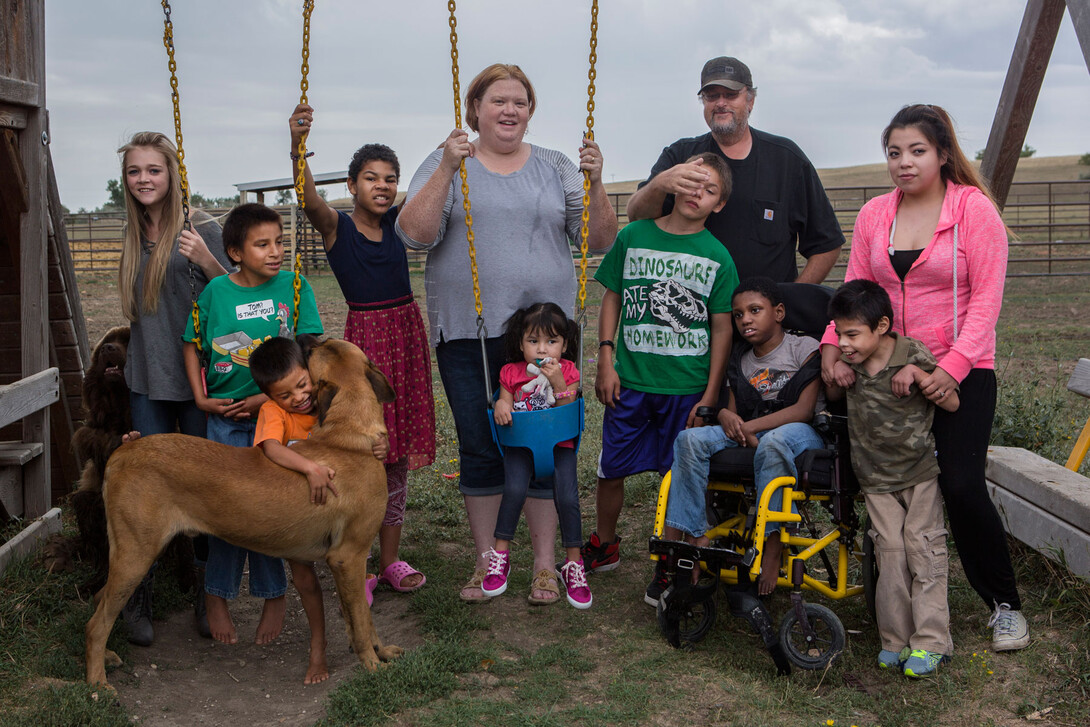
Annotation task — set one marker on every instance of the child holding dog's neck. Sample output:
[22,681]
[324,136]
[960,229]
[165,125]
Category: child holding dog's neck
[236,313]
[535,338]
[279,368]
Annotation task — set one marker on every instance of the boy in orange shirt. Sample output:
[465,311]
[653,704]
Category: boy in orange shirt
[279,369]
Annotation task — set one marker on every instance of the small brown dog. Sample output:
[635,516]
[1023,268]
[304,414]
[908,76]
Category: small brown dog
[166,484]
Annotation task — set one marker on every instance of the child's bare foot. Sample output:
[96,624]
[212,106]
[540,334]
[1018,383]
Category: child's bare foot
[770,565]
[219,619]
[130,437]
[701,541]
[317,670]
[272,620]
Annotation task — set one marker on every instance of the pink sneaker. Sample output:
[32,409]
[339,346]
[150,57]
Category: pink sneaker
[495,580]
[575,583]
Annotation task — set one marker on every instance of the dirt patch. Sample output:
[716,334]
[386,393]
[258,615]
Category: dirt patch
[183,680]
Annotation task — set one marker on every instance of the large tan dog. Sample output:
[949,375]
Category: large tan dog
[166,484]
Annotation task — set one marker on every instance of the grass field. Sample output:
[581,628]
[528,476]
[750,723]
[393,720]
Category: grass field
[507,663]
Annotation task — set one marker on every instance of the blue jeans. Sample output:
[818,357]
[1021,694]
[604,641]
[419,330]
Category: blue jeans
[462,373]
[223,574]
[159,416]
[518,466]
[693,450]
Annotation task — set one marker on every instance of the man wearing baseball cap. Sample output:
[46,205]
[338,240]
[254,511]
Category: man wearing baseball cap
[777,205]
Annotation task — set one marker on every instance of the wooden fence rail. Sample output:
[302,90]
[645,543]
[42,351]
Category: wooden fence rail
[1050,221]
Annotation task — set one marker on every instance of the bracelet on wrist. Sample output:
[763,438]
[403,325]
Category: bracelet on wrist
[607,342]
[295,157]
[564,394]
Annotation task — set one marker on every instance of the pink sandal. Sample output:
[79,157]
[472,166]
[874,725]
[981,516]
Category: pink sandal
[369,588]
[397,572]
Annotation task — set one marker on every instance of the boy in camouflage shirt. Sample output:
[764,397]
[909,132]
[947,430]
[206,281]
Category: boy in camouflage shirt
[893,455]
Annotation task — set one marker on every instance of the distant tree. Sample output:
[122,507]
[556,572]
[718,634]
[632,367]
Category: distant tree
[285,196]
[1027,151]
[323,193]
[116,199]
[196,199]
[1085,159]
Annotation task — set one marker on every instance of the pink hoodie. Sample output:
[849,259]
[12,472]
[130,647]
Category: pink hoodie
[923,304]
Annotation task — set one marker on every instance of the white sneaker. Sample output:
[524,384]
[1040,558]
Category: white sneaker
[1011,631]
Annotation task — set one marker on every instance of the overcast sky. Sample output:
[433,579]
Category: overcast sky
[829,73]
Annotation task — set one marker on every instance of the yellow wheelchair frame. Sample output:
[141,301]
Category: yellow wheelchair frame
[810,636]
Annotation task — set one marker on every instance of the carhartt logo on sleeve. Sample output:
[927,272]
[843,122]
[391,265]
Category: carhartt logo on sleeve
[769,215]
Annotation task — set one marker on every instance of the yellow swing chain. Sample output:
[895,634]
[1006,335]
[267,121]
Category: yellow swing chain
[581,300]
[172,65]
[300,163]
[462,167]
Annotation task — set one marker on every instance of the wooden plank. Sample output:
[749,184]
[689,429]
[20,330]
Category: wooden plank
[11,490]
[61,426]
[33,285]
[1080,378]
[18,453]
[26,396]
[1079,11]
[1032,50]
[13,190]
[31,538]
[1042,530]
[20,93]
[12,117]
[1035,479]
[60,249]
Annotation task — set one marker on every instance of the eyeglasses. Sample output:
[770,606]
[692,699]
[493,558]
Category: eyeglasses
[721,94]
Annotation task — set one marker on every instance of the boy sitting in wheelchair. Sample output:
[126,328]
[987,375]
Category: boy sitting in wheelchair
[774,389]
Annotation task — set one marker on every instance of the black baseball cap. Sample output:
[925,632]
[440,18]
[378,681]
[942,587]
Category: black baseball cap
[727,72]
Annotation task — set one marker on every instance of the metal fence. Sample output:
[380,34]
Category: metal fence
[1050,222]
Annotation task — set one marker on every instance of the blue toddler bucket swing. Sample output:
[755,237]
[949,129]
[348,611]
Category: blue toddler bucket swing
[541,430]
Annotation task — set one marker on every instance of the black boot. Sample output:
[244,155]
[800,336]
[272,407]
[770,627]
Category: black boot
[137,614]
[200,612]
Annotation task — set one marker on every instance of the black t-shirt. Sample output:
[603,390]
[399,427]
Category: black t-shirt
[777,204]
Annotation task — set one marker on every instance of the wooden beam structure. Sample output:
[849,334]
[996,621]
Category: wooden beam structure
[1032,50]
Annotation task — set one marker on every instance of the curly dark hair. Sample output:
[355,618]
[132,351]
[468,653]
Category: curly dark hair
[371,152]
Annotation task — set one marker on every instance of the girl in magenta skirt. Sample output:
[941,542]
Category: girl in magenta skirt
[372,269]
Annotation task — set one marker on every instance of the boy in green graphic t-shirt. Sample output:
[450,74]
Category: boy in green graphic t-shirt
[664,338]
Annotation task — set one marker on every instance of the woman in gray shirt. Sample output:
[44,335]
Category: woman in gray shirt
[154,288]
[527,211]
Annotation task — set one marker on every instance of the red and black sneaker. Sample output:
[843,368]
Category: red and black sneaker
[599,557]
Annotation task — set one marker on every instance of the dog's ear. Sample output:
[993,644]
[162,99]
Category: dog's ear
[326,392]
[383,391]
[307,342]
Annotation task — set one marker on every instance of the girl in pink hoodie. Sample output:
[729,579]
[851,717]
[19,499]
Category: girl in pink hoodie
[938,246]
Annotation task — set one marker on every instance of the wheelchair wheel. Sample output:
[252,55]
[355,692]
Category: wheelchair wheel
[694,620]
[870,570]
[828,640]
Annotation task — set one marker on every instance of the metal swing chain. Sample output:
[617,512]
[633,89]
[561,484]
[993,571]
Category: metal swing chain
[462,167]
[172,65]
[581,301]
[584,233]
[300,164]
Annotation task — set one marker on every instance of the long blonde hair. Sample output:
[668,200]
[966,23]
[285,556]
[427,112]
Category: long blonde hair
[136,216]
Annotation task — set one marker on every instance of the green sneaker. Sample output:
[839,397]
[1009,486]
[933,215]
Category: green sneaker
[922,663]
[893,659]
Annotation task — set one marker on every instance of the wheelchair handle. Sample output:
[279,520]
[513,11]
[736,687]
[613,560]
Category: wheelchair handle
[709,414]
